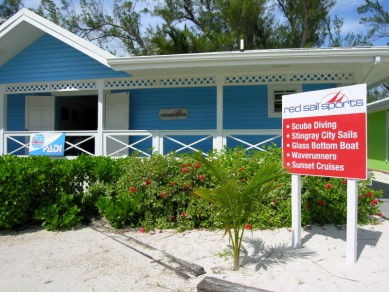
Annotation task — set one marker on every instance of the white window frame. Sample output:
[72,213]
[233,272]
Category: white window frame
[272,89]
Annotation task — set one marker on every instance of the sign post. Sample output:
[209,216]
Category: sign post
[296,210]
[324,134]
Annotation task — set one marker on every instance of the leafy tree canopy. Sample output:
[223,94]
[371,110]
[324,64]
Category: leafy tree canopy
[193,26]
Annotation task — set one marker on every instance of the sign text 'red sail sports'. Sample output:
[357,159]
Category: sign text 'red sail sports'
[324,132]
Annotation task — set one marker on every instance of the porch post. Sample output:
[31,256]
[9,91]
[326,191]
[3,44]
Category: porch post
[218,139]
[99,141]
[2,117]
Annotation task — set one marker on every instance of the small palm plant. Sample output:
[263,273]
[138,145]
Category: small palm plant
[237,201]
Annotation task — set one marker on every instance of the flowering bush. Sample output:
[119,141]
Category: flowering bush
[325,201]
[164,185]
[160,190]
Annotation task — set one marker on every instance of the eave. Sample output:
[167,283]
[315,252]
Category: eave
[361,61]
[378,105]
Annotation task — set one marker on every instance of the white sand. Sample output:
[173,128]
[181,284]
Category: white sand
[87,260]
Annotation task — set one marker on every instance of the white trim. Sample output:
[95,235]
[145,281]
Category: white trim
[99,142]
[3,117]
[74,87]
[218,140]
[271,89]
[378,105]
[84,46]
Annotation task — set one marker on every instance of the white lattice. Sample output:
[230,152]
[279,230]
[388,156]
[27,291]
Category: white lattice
[19,88]
[207,80]
[248,79]
[73,85]
[121,83]
[343,76]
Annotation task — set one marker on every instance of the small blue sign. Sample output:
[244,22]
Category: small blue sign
[48,144]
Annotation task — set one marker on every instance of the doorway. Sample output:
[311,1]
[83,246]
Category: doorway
[77,113]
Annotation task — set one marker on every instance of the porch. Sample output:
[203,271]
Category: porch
[118,143]
[250,127]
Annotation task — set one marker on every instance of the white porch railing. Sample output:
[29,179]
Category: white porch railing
[117,143]
[18,142]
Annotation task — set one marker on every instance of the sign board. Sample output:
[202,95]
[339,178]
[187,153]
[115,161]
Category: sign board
[49,144]
[173,114]
[324,132]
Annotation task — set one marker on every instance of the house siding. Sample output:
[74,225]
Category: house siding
[16,120]
[313,87]
[245,107]
[199,101]
[16,112]
[49,59]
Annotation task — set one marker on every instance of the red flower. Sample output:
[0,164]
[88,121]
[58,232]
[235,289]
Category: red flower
[247,226]
[379,214]
[345,181]
[198,165]
[141,230]
[163,195]
[241,168]
[328,186]
[321,203]
[374,202]
[172,183]
[369,194]
[183,214]
[201,177]
[186,186]
[184,169]
[147,182]
[132,189]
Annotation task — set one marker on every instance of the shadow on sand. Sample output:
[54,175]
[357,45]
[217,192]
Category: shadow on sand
[264,256]
[364,236]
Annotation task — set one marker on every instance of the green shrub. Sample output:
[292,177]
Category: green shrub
[118,211]
[63,214]
[324,201]
[21,185]
[164,185]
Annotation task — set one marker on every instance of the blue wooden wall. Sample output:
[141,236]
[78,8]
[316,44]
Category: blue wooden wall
[199,101]
[49,59]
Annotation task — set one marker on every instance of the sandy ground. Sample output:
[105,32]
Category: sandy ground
[86,259]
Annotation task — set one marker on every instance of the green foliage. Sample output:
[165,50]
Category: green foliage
[28,183]
[62,214]
[117,211]
[208,26]
[21,184]
[324,201]
[157,192]
[237,199]
[376,18]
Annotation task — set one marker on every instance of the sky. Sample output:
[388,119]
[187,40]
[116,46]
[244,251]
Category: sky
[346,9]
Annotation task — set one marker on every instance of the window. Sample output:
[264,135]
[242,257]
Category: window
[275,93]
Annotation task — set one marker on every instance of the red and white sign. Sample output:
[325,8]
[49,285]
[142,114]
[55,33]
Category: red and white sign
[324,132]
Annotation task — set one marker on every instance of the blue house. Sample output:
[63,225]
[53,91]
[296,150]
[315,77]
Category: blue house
[52,80]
